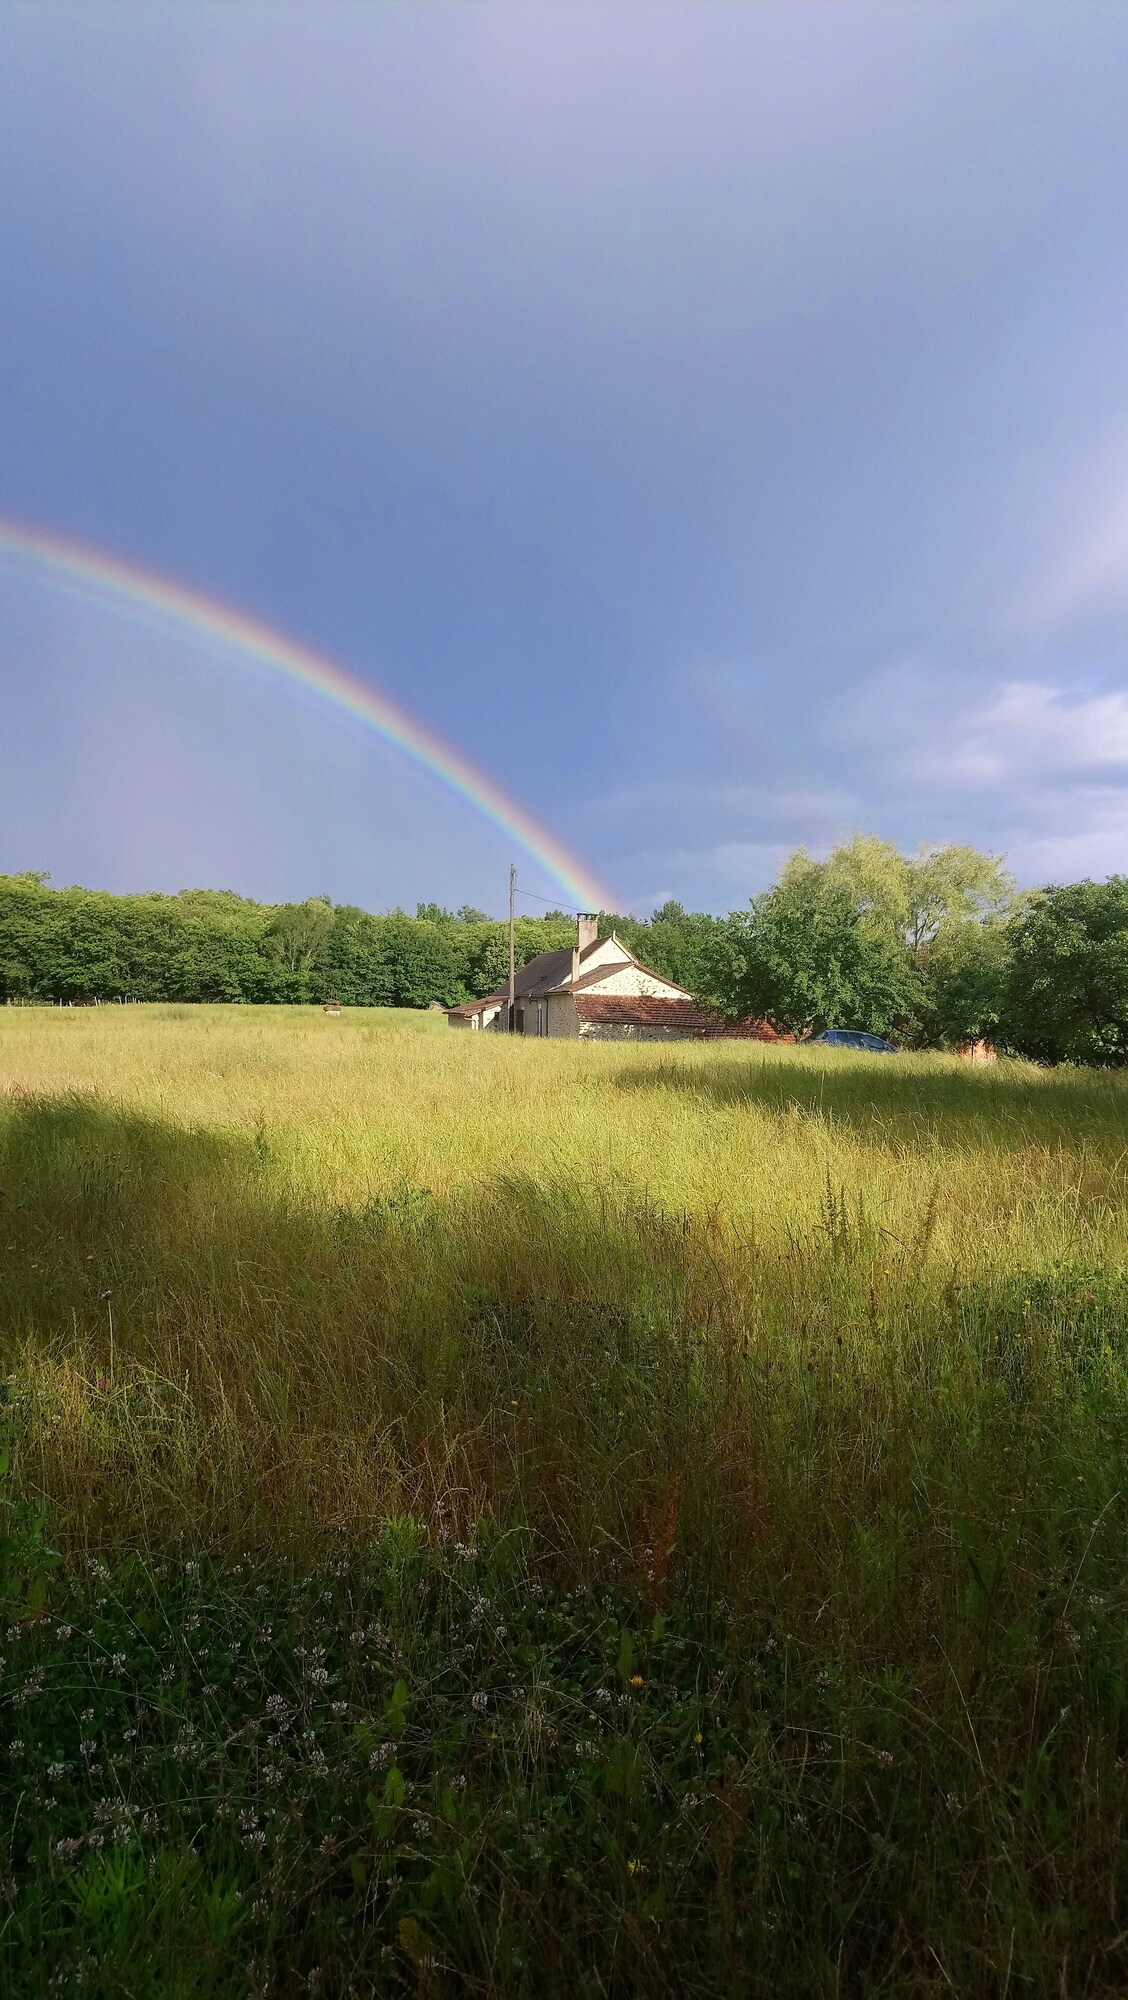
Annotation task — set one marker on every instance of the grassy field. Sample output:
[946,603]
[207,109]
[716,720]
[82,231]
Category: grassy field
[513,1518]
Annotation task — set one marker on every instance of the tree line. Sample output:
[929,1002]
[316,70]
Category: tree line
[934,950]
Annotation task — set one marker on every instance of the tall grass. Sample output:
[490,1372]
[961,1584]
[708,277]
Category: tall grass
[817,1359]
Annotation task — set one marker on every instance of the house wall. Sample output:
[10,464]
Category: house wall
[563,1019]
[630,1031]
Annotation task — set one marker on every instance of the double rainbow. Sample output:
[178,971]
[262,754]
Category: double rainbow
[59,559]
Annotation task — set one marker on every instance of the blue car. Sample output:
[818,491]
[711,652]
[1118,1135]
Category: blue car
[851,1038]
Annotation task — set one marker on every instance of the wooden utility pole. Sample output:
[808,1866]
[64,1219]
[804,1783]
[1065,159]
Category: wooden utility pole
[512,971]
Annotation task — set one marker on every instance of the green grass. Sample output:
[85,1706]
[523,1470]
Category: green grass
[723,1449]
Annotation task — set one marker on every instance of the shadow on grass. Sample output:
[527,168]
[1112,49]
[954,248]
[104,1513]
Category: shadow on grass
[849,1701]
[908,1100]
[197,1341]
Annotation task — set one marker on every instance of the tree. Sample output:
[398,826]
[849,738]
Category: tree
[1065,994]
[964,979]
[913,895]
[297,938]
[804,959]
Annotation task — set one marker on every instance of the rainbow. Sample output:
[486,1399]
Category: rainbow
[36,552]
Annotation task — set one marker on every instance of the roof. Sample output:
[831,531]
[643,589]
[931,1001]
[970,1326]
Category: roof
[550,970]
[748,1030]
[651,1010]
[642,1010]
[469,1007]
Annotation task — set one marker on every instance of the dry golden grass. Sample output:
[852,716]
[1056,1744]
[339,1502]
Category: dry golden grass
[264,1266]
[805,1373]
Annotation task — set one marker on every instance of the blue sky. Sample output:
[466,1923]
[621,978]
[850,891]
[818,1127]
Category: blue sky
[714,420]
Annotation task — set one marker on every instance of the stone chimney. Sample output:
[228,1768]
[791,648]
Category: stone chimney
[587,930]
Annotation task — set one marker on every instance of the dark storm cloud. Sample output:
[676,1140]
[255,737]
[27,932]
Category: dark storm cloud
[714,419]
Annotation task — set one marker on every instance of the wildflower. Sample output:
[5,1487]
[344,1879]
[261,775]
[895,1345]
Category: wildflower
[885,1758]
[697,1738]
[636,1680]
[87,1746]
[16,1747]
[479,1703]
[63,1631]
[56,1771]
[117,1664]
[338,1708]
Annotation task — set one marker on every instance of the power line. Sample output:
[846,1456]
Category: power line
[554,903]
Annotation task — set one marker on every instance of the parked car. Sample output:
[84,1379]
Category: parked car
[852,1038]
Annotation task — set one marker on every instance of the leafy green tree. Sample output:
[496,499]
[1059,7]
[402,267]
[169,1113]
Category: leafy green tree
[297,939]
[915,896]
[965,976]
[1065,994]
[803,959]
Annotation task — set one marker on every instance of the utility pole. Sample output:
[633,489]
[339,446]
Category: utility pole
[512,974]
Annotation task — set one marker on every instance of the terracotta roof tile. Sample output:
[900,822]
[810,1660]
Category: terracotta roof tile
[650,1010]
[643,1010]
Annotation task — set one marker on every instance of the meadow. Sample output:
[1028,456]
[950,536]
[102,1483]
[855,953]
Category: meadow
[501,1517]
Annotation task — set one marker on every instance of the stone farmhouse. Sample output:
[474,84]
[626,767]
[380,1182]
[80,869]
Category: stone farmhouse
[596,989]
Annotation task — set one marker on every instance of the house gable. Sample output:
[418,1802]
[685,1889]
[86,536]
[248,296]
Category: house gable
[629,977]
